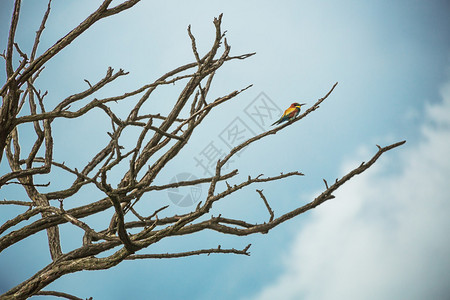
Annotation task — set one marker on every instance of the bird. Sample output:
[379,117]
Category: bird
[290,113]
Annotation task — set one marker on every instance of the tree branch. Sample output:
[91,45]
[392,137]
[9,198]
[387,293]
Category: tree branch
[58,294]
[100,13]
[190,253]
[260,192]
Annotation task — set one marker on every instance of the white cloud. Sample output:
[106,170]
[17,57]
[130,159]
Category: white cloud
[386,235]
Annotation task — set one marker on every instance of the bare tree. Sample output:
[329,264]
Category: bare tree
[160,140]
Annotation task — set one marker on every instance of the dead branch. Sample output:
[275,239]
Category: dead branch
[190,253]
[138,163]
[260,192]
[58,294]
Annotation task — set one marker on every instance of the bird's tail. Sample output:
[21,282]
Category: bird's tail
[276,122]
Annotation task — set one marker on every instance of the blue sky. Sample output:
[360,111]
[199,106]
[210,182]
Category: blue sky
[385,235]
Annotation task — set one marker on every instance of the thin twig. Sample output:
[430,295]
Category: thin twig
[260,192]
[190,253]
[58,294]
[17,202]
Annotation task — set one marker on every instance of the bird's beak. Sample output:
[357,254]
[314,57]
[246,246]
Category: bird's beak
[302,104]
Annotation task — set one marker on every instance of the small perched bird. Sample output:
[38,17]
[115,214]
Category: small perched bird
[290,113]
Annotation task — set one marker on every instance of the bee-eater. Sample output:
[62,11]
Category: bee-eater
[290,113]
